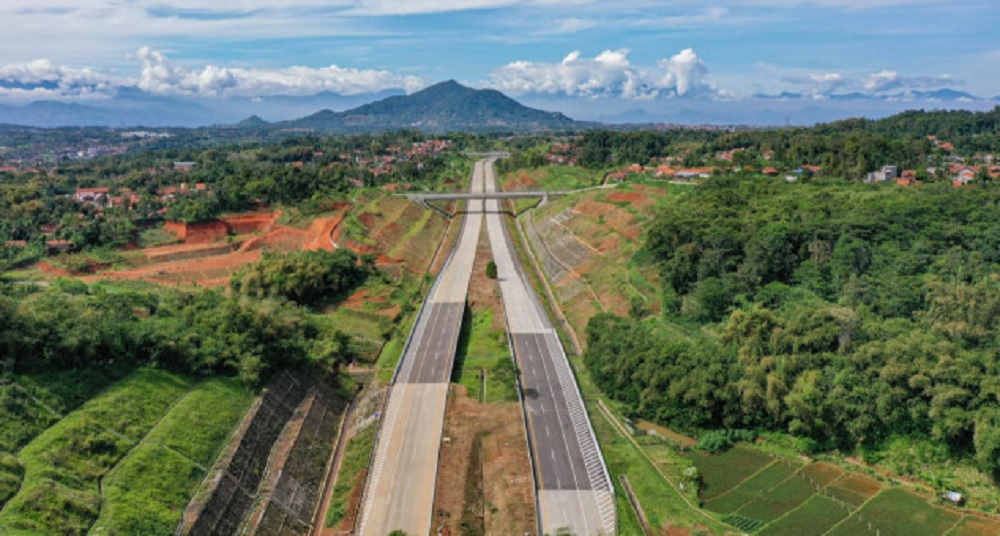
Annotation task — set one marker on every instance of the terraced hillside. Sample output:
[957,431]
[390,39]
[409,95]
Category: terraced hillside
[86,470]
[271,477]
[590,247]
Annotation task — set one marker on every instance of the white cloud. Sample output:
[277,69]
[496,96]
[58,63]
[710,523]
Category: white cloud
[158,75]
[684,72]
[707,17]
[881,83]
[41,79]
[610,73]
[574,24]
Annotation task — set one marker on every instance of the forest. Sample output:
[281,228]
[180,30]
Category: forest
[845,149]
[838,312]
[260,328]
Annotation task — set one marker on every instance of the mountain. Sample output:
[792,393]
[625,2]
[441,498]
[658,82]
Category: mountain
[447,106]
[252,122]
[947,94]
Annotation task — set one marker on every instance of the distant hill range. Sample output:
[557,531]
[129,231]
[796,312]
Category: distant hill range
[444,107]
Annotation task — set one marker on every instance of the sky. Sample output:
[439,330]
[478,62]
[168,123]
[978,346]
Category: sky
[620,54]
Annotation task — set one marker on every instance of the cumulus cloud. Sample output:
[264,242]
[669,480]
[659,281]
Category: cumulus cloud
[881,83]
[609,74]
[158,75]
[42,79]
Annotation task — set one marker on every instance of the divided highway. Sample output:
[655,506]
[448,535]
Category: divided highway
[573,487]
[399,492]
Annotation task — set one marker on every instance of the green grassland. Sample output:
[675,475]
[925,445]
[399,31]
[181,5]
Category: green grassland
[563,178]
[478,338]
[63,466]
[392,351]
[32,403]
[501,379]
[352,466]
[146,493]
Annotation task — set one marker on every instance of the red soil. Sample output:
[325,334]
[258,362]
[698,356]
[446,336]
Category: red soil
[592,208]
[621,222]
[207,272]
[211,231]
[198,233]
[521,182]
[52,270]
[611,243]
[624,197]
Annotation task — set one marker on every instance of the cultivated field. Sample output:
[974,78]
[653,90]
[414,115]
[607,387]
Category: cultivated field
[898,512]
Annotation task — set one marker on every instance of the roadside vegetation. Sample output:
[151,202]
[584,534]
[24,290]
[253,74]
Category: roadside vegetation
[831,306]
[351,475]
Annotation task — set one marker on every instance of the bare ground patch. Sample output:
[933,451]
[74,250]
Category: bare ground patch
[484,442]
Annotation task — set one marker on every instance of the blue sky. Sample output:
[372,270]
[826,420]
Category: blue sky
[624,52]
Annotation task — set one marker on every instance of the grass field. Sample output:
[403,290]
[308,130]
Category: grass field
[147,492]
[63,466]
[723,472]
[501,379]
[815,516]
[34,402]
[479,339]
[558,178]
[355,459]
[751,488]
[898,512]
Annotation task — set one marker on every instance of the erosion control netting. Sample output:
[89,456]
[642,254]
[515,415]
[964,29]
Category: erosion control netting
[276,521]
[559,251]
[302,478]
[232,500]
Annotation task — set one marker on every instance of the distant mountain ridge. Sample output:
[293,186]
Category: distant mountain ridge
[446,106]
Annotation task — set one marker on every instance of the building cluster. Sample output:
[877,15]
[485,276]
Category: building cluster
[668,170]
[385,163]
[563,154]
[101,197]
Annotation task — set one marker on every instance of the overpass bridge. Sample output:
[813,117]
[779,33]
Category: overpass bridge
[425,198]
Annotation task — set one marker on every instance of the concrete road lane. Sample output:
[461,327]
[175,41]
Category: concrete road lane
[574,490]
[399,492]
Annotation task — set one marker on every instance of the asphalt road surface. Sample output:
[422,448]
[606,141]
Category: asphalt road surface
[574,490]
[399,492]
